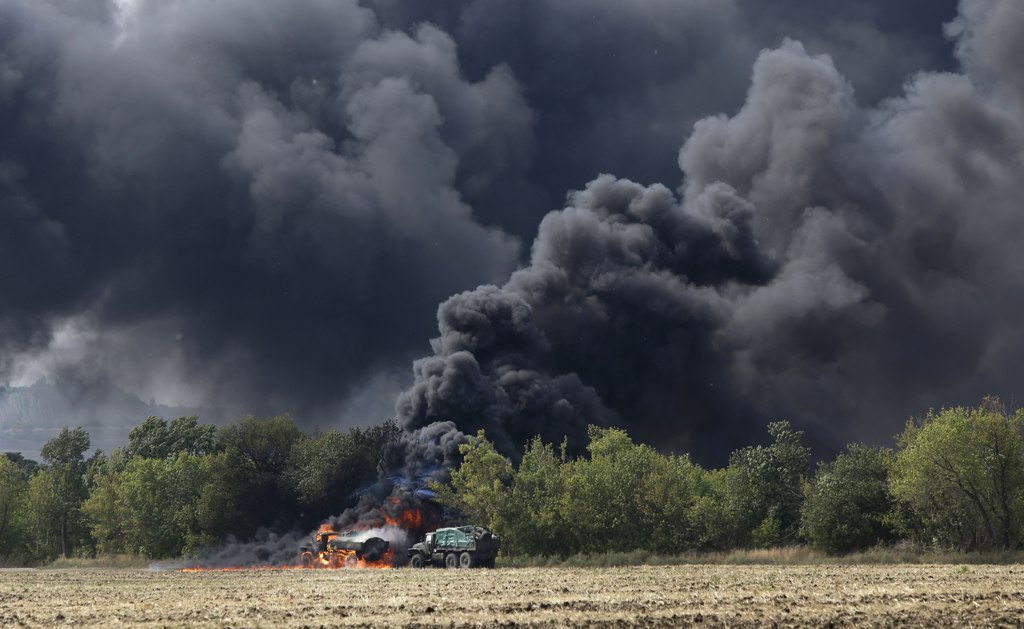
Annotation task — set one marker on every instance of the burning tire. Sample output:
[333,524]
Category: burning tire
[451,561]
[466,560]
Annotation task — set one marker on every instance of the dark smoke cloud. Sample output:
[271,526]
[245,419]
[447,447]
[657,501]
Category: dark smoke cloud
[258,207]
[616,86]
[836,264]
[272,185]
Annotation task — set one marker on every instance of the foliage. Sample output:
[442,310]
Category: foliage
[259,451]
[328,469]
[623,497]
[60,491]
[480,486]
[535,520]
[28,467]
[628,497]
[13,491]
[847,505]
[760,494]
[960,478]
[155,438]
[43,516]
[159,508]
[956,481]
[264,445]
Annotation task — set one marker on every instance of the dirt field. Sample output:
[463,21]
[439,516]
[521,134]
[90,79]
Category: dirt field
[955,596]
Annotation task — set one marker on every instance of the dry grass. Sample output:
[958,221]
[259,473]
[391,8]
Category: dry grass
[786,556]
[102,561]
[712,595]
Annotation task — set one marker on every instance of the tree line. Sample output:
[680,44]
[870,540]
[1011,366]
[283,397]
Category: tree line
[955,480]
[179,486]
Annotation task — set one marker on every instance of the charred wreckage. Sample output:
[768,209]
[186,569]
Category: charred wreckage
[331,549]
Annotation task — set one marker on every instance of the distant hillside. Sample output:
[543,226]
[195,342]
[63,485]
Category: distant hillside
[31,415]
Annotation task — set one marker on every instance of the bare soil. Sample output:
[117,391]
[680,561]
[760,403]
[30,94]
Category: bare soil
[648,596]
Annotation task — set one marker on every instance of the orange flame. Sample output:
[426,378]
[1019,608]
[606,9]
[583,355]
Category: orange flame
[409,519]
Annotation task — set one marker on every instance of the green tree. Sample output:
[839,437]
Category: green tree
[671,494]
[847,505]
[28,467]
[625,496]
[480,488]
[535,522]
[259,451]
[65,458]
[44,509]
[601,492]
[959,475]
[327,470]
[102,508]
[718,516]
[764,487]
[13,492]
[216,512]
[154,507]
[155,438]
[264,445]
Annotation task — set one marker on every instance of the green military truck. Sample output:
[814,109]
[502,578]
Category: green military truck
[456,547]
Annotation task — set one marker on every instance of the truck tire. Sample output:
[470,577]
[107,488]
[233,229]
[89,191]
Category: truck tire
[416,561]
[351,562]
[451,560]
[466,560]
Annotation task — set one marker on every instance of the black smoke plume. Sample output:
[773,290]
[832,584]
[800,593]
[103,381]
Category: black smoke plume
[258,207]
[837,264]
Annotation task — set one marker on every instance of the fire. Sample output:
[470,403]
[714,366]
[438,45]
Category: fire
[329,557]
[408,519]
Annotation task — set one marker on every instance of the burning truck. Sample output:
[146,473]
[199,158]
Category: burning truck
[333,549]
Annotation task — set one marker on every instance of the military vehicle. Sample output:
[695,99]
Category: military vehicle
[456,547]
[329,549]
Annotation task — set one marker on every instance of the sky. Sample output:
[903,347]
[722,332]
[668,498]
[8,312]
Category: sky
[687,218]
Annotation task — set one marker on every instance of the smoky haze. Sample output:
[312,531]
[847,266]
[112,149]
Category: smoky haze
[811,212]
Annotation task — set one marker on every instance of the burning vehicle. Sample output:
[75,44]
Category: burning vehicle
[332,549]
[456,547]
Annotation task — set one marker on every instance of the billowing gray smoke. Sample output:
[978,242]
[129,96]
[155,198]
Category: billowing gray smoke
[258,207]
[236,204]
[836,264]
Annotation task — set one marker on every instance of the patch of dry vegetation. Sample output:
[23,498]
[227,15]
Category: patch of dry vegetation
[100,561]
[781,556]
[713,595]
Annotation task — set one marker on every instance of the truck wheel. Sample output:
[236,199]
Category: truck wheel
[351,562]
[466,560]
[416,561]
[451,560]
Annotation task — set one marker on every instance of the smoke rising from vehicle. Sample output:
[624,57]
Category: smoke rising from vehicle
[258,207]
[837,264]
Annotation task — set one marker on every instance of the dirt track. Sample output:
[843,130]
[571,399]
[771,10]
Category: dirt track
[955,596]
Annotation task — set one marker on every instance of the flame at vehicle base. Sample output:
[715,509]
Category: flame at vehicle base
[407,522]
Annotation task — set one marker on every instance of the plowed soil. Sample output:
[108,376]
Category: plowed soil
[712,596]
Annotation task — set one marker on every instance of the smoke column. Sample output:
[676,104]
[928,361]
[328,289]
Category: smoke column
[836,264]
[258,208]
